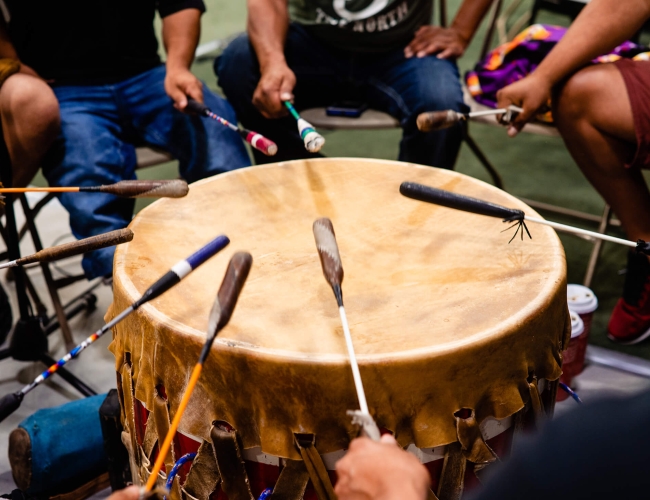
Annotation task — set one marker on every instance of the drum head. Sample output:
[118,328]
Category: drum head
[437,300]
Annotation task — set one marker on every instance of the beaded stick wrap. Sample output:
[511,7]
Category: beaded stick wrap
[258,141]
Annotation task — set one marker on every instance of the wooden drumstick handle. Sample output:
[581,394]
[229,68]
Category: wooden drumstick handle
[328,251]
[231,286]
[175,188]
[78,247]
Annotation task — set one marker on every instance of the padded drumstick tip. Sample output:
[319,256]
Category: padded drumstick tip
[9,404]
[312,139]
[328,251]
[438,120]
[643,247]
[261,143]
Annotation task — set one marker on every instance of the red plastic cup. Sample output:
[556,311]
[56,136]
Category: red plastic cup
[571,363]
[584,302]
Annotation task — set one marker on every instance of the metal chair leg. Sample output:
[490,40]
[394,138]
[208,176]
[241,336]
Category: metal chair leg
[49,280]
[496,178]
[598,245]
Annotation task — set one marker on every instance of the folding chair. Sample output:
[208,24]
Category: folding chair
[497,22]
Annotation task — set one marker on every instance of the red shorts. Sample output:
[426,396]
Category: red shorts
[636,75]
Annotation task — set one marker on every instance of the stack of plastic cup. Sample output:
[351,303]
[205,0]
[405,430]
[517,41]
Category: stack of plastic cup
[571,365]
[583,302]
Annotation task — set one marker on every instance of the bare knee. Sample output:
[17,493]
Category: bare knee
[28,103]
[573,100]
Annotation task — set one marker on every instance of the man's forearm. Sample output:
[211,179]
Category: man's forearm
[601,26]
[469,16]
[268,22]
[180,32]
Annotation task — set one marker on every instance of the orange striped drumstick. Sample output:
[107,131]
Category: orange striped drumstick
[175,188]
[222,310]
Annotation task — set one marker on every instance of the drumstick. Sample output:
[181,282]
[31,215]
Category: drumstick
[330,260]
[75,248]
[180,270]
[481,207]
[438,120]
[312,139]
[222,310]
[175,188]
[258,141]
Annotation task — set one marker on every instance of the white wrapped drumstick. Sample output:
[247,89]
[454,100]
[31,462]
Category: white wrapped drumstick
[312,139]
[330,260]
[438,120]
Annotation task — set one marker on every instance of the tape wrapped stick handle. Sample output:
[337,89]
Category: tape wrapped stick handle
[9,404]
[197,108]
[79,247]
[330,259]
[459,201]
[173,188]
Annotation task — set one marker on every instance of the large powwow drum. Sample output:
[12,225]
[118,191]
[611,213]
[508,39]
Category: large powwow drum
[457,332]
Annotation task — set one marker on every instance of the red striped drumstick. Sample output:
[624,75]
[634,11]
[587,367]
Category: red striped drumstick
[258,141]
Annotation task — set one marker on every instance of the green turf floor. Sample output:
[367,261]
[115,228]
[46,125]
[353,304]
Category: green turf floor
[532,166]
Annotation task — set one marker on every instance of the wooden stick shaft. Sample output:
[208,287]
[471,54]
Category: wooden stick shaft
[356,374]
[576,230]
[498,111]
[40,190]
[162,452]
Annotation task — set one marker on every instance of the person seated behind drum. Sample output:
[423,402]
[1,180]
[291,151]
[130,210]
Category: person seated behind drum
[603,115]
[384,53]
[101,60]
[598,450]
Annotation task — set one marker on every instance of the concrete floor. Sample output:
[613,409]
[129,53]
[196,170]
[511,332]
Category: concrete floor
[96,365]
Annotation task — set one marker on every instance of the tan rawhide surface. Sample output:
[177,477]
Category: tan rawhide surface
[444,313]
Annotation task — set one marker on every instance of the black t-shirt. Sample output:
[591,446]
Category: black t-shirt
[597,451]
[89,41]
[362,25]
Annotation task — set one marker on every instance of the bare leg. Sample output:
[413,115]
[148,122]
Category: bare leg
[593,113]
[30,123]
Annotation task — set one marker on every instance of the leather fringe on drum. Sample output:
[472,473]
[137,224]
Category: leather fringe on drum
[234,480]
[315,466]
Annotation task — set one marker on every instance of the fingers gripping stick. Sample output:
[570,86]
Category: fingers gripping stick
[224,305]
[11,402]
[258,141]
[330,259]
[439,120]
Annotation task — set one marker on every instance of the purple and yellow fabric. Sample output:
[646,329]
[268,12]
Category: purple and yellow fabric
[518,58]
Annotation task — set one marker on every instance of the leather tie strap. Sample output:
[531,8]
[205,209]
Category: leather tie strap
[292,482]
[315,466]
[453,473]
[234,480]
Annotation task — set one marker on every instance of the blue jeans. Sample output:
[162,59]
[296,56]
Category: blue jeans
[100,128]
[385,81]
